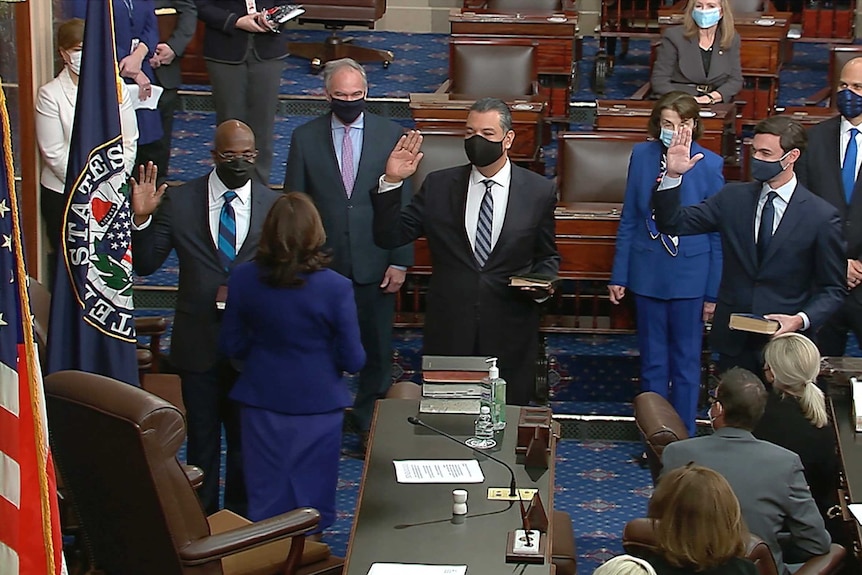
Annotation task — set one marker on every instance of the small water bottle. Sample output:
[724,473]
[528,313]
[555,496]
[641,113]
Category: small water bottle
[483,434]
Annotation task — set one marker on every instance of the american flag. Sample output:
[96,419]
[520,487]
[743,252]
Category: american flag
[30,541]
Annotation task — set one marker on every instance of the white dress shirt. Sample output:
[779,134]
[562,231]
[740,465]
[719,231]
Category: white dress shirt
[55,117]
[215,200]
[475,193]
[780,202]
[845,139]
[241,208]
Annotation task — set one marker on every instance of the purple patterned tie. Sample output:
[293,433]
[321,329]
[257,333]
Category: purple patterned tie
[347,175]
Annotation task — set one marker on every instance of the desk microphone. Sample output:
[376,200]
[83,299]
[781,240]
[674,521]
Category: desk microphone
[416,421]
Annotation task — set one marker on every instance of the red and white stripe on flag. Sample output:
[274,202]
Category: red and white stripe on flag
[30,540]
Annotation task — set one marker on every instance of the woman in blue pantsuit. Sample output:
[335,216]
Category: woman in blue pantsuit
[674,279]
[293,325]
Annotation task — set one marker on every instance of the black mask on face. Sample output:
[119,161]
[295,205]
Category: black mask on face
[235,173]
[347,110]
[482,152]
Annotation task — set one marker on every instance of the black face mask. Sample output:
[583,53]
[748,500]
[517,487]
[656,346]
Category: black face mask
[482,152]
[235,173]
[347,110]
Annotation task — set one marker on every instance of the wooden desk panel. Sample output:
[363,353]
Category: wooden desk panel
[586,239]
[809,115]
[850,455]
[412,523]
[557,52]
[449,112]
[719,132]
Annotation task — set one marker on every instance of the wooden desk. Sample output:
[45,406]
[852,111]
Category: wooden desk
[449,112]
[809,115]
[850,454]
[406,523]
[719,131]
[762,54]
[558,50]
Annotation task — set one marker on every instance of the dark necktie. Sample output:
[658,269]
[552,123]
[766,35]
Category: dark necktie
[227,231]
[848,170]
[486,223]
[767,219]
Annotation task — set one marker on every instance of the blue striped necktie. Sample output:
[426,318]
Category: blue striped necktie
[848,170]
[227,231]
[486,223]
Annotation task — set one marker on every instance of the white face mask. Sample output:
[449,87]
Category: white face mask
[74,63]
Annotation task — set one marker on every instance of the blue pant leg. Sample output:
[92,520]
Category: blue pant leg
[685,344]
[652,334]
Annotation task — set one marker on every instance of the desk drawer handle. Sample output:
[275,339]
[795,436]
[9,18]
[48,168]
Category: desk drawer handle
[834,512]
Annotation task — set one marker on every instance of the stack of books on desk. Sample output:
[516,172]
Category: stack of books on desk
[452,384]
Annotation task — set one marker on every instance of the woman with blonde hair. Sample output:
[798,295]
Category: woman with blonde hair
[625,565]
[795,416]
[698,525]
[701,57]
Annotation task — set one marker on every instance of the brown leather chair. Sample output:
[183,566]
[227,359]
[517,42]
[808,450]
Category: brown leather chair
[504,69]
[839,54]
[142,516]
[639,537]
[564,552]
[442,149]
[335,15]
[404,390]
[660,425]
[593,166]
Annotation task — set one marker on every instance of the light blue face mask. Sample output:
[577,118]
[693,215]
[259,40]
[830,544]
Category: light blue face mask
[666,136]
[706,18]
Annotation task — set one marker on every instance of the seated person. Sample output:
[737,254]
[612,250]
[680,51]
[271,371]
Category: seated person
[698,525]
[700,57]
[767,479]
[795,416]
[625,565]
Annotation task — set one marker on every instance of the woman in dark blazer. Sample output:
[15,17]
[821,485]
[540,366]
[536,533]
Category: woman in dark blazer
[796,417]
[293,325]
[700,57]
[674,279]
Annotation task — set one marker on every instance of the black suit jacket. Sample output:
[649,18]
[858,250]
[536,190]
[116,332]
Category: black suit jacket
[803,270]
[182,224]
[312,167]
[224,42]
[819,169]
[472,310]
[170,76]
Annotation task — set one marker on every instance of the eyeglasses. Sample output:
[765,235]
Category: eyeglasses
[230,156]
[713,395]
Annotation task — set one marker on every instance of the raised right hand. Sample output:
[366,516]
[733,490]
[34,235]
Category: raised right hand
[405,157]
[617,293]
[679,158]
[145,196]
[250,23]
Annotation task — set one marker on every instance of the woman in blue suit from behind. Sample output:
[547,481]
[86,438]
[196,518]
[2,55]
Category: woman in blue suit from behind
[674,279]
[293,325]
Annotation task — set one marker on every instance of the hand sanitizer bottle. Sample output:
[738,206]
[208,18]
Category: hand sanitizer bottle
[498,385]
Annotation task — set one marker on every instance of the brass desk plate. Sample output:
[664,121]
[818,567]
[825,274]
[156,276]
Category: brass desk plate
[502,494]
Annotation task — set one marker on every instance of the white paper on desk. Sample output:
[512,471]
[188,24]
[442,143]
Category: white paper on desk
[148,104]
[438,471]
[856,510]
[409,569]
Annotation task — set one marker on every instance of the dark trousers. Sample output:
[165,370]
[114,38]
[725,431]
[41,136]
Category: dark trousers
[248,92]
[159,151]
[207,409]
[750,357]
[832,337]
[376,312]
[53,206]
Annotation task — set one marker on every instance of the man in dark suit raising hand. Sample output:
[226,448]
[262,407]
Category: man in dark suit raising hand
[782,246]
[485,222]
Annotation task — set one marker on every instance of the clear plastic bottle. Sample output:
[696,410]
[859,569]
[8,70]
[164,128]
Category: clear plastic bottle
[483,433]
[498,395]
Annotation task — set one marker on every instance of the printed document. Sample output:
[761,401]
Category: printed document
[438,471]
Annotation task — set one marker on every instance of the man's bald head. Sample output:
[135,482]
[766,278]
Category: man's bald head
[850,91]
[232,133]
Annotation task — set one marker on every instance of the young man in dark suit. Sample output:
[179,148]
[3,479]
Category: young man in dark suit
[213,223]
[245,59]
[782,246]
[485,222]
[336,159]
[166,64]
[829,168]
